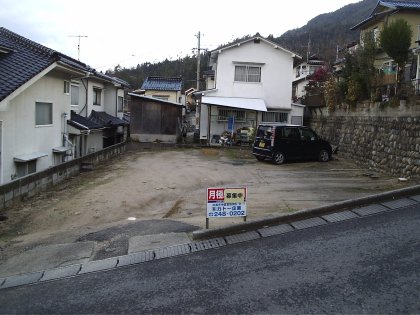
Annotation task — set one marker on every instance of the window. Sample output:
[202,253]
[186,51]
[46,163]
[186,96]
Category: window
[418,33]
[376,34]
[43,114]
[74,90]
[274,117]
[161,97]
[247,73]
[66,87]
[224,115]
[120,105]
[291,133]
[23,169]
[97,94]
[307,135]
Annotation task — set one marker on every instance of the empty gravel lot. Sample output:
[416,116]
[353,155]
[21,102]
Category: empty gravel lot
[170,185]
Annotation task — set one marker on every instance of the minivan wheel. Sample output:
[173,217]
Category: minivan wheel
[278,158]
[323,156]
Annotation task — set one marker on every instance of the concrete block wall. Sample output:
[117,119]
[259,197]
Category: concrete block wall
[30,185]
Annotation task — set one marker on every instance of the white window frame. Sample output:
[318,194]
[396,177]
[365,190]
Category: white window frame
[71,96]
[120,107]
[246,76]
[50,120]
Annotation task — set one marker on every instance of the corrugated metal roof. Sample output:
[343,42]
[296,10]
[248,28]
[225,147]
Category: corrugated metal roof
[162,84]
[236,102]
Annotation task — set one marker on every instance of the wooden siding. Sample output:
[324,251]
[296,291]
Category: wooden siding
[154,117]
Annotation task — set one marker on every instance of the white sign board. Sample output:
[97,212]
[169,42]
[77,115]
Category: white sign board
[226,202]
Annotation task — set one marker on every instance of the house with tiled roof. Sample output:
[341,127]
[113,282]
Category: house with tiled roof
[167,89]
[252,83]
[46,99]
[384,13]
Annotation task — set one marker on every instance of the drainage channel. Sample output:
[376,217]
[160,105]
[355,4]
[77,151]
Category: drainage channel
[189,248]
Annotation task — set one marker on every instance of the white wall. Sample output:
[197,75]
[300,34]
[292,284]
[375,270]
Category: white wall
[98,108]
[218,127]
[21,136]
[276,74]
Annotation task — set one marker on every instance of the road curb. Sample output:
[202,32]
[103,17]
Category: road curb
[306,213]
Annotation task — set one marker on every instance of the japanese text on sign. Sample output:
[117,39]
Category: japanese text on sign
[226,202]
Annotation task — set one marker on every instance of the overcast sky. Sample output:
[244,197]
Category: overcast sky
[130,32]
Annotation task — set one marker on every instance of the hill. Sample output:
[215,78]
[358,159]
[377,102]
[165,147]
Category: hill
[323,34]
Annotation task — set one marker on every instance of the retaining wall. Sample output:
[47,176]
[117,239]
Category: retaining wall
[386,140]
[30,185]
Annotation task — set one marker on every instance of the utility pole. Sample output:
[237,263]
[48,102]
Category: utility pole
[198,61]
[78,45]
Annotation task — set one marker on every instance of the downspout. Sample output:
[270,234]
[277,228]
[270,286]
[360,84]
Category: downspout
[116,103]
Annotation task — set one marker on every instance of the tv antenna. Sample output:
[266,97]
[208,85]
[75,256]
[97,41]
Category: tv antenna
[78,44]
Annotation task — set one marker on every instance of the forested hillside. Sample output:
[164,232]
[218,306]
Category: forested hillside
[323,34]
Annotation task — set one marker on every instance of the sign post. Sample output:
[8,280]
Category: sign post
[226,203]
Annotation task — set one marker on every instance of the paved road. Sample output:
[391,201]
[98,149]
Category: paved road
[366,265]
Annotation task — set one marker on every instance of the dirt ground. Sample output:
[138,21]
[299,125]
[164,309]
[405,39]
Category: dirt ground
[171,184]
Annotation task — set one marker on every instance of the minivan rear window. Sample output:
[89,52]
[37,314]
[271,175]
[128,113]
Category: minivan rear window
[264,132]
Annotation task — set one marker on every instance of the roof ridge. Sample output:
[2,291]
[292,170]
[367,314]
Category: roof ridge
[34,46]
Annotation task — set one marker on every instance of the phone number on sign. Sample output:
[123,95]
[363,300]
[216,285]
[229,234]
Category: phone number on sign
[233,213]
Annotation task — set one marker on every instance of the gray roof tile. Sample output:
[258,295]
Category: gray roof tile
[162,84]
[106,120]
[24,59]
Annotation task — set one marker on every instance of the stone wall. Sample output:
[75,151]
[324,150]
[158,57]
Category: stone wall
[385,140]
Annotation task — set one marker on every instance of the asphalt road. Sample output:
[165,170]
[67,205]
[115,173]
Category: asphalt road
[365,265]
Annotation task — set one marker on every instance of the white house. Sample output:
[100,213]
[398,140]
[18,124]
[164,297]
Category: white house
[302,73]
[45,100]
[252,83]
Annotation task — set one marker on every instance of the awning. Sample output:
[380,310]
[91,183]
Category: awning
[236,102]
[29,157]
[60,149]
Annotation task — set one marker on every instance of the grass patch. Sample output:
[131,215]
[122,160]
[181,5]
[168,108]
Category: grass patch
[210,152]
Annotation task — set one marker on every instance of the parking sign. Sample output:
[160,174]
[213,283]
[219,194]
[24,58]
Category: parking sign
[226,202]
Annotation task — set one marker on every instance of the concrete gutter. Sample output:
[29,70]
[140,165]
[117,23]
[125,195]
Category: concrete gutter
[305,213]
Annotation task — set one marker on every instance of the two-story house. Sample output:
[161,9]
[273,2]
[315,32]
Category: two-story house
[303,71]
[385,12]
[252,83]
[46,99]
[167,89]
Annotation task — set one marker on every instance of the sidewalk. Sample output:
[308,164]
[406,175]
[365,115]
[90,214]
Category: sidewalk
[67,260]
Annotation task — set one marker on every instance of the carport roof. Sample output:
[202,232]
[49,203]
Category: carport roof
[257,104]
